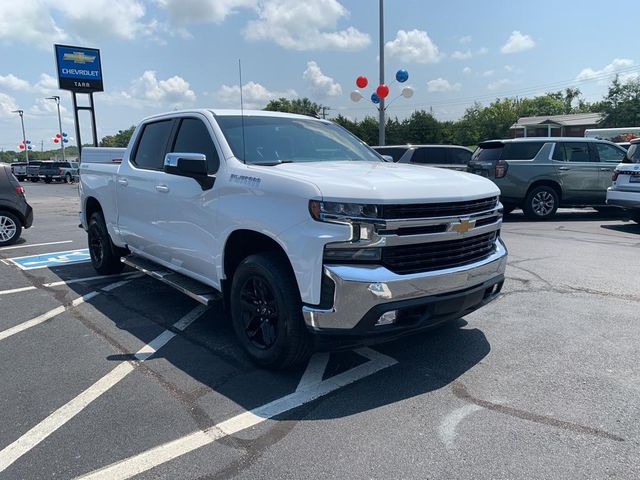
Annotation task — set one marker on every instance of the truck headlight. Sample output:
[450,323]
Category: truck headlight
[342,212]
[352,255]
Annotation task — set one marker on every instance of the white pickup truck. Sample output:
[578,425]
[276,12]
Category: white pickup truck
[311,238]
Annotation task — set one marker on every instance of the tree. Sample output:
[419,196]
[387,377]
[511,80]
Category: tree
[621,105]
[120,139]
[302,106]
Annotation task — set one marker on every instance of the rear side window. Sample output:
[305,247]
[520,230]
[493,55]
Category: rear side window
[459,156]
[393,152]
[572,152]
[521,150]
[633,154]
[152,145]
[488,152]
[609,153]
[193,137]
[433,155]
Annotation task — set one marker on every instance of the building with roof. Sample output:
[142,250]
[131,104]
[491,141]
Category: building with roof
[571,125]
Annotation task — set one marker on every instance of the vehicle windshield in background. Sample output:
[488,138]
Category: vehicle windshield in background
[273,140]
[633,154]
[488,152]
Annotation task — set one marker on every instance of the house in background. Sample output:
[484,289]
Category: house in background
[571,125]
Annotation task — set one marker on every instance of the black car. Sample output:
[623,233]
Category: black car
[15,212]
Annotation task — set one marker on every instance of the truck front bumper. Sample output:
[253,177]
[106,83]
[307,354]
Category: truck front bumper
[364,294]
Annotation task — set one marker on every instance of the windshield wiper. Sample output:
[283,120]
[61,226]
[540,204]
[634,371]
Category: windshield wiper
[270,164]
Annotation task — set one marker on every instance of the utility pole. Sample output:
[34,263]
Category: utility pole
[324,112]
[42,145]
[381,140]
[57,100]
[24,135]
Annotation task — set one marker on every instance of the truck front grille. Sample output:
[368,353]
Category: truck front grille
[424,257]
[429,210]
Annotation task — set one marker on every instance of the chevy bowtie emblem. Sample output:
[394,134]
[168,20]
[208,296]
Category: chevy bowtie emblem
[462,227]
[79,57]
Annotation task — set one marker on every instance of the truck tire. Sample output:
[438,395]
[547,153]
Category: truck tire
[105,256]
[10,228]
[266,312]
[47,179]
[541,203]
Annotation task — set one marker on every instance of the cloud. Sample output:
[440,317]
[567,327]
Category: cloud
[508,68]
[184,12]
[488,73]
[299,25]
[466,70]
[319,83]
[465,39]
[148,91]
[482,51]
[29,22]
[254,95]
[442,85]
[46,85]
[458,55]
[618,66]
[7,104]
[414,46]
[13,83]
[517,42]
[503,82]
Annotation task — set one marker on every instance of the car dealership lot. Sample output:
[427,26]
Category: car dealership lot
[542,383]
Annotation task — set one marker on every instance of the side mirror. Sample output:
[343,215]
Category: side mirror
[388,158]
[192,165]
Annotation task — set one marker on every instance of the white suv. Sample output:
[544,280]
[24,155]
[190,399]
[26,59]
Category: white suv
[625,190]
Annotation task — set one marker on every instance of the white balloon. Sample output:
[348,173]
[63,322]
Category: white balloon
[356,96]
[407,92]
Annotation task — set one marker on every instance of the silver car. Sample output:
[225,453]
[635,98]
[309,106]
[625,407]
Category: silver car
[453,157]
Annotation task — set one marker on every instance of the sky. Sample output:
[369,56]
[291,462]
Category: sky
[160,55]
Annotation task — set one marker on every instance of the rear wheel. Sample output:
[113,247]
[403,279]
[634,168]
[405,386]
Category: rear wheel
[541,203]
[47,180]
[105,256]
[10,228]
[266,312]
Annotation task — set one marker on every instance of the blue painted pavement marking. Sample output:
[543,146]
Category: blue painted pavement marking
[51,259]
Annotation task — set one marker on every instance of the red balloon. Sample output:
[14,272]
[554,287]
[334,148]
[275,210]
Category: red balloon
[362,81]
[56,140]
[58,135]
[382,90]
[21,146]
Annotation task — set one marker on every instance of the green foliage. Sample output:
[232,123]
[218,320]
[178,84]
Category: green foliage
[621,105]
[302,106]
[120,139]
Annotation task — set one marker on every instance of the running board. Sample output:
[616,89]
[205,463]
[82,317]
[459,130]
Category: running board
[198,291]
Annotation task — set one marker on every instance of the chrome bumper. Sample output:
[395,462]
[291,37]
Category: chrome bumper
[358,289]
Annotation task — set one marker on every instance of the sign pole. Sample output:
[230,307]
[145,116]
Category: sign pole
[93,120]
[76,122]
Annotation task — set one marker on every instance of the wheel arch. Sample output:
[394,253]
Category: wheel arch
[13,211]
[546,182]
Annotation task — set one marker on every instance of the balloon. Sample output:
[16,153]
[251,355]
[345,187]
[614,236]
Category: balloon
[21,146]
[64,134]
[362,81]
[30,147]
[56,140]
[58,135]
[375,98]
[407,92]
[402,75]
[356,96]
[382,90]
[65,140]
[27,142]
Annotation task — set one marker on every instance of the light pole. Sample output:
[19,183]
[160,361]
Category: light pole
[57,100]
[24,135]
[381,139]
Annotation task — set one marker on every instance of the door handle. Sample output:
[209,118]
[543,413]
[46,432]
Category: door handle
[162,188]
[123,181]
[603,169]
[564,168]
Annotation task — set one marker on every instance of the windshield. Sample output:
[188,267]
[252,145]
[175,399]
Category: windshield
[273,140]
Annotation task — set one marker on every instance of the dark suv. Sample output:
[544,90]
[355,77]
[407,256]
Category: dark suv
[453,157]
[541,174]
[15,212]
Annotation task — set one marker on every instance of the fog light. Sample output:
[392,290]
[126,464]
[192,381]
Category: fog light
[387,318]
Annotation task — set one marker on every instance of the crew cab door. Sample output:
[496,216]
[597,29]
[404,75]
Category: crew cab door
[578,172]
[136,193]
[608,156]
[187,213]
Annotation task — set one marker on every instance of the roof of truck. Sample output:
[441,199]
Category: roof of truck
[234,112]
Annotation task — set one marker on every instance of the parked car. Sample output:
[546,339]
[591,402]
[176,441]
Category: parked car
[310,237]
[58,171]
[19,169]
[15,212]
[453,157]
[625,189]
[33,170]
[541,174]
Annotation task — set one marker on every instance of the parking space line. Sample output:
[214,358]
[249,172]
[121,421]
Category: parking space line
[34,245]
[17,290]
[62,415]
[164,453]
[71,282]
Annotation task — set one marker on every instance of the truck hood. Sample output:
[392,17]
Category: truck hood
[371,182]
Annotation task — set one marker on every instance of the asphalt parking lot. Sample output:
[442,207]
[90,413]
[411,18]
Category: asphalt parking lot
[121,377]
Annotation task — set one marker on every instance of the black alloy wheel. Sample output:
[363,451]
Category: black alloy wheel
[259,310]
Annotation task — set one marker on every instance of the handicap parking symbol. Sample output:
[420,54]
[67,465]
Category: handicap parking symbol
[52,259]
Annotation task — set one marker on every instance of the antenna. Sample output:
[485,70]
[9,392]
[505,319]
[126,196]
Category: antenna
[244,147]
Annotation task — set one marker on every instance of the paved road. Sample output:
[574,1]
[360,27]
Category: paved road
[127,373]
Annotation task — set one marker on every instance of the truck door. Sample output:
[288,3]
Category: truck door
[136,189]
[578,171]
[608,156]
[187,214]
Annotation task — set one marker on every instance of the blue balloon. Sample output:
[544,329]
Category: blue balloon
[375,98]
[402,75]
[65,140]
[64,134]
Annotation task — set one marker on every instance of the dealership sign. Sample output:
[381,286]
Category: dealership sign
[79,69]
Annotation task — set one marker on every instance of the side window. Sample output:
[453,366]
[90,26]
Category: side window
[152,145]
[394,152]
[521,150]
[193,137]
[572,152]
[609,153]
[459,156]
[558,152]
[435,155]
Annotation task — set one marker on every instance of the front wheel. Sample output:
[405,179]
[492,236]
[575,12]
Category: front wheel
[541,203]
[10,228]
[105,256]
[266,312]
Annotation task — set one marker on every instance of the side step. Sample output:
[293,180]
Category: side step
[196,290]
